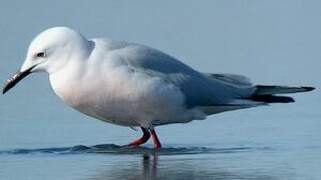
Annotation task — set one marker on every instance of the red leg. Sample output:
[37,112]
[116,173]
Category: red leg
[156,141]
[141,140]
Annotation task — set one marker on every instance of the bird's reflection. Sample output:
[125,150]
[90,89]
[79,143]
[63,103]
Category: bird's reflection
[150,167]
[181,163]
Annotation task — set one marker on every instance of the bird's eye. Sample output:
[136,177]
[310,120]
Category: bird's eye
[41,54]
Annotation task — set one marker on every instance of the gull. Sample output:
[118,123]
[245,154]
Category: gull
[133,85]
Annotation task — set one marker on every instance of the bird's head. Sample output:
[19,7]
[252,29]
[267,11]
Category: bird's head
[49,52]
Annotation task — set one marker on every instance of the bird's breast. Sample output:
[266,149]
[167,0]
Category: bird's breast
[124,98]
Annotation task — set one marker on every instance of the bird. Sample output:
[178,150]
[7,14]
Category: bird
[136,86]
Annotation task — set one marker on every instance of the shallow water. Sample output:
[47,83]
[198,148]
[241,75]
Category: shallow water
[109,161]
[117,149]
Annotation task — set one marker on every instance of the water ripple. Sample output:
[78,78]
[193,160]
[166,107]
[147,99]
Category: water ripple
[116,149]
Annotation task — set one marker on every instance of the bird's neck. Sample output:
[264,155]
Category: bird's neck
[69,79]
[65,81]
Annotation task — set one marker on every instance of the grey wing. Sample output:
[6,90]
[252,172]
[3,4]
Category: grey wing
[232,79]
[198,88]
[237,83]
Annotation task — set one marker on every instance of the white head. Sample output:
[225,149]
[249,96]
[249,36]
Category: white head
[50,51]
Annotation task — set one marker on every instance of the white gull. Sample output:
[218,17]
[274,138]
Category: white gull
[134,85]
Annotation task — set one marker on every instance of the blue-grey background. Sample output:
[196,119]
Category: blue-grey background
[271,41]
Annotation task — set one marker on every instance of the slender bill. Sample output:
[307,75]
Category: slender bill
[10,83]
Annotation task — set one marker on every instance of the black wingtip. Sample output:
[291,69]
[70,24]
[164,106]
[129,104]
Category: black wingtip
[307,88]
[273,99]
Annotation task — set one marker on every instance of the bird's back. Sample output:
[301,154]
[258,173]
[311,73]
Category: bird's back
[198,89]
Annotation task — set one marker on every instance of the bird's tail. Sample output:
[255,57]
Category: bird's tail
[269,94]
